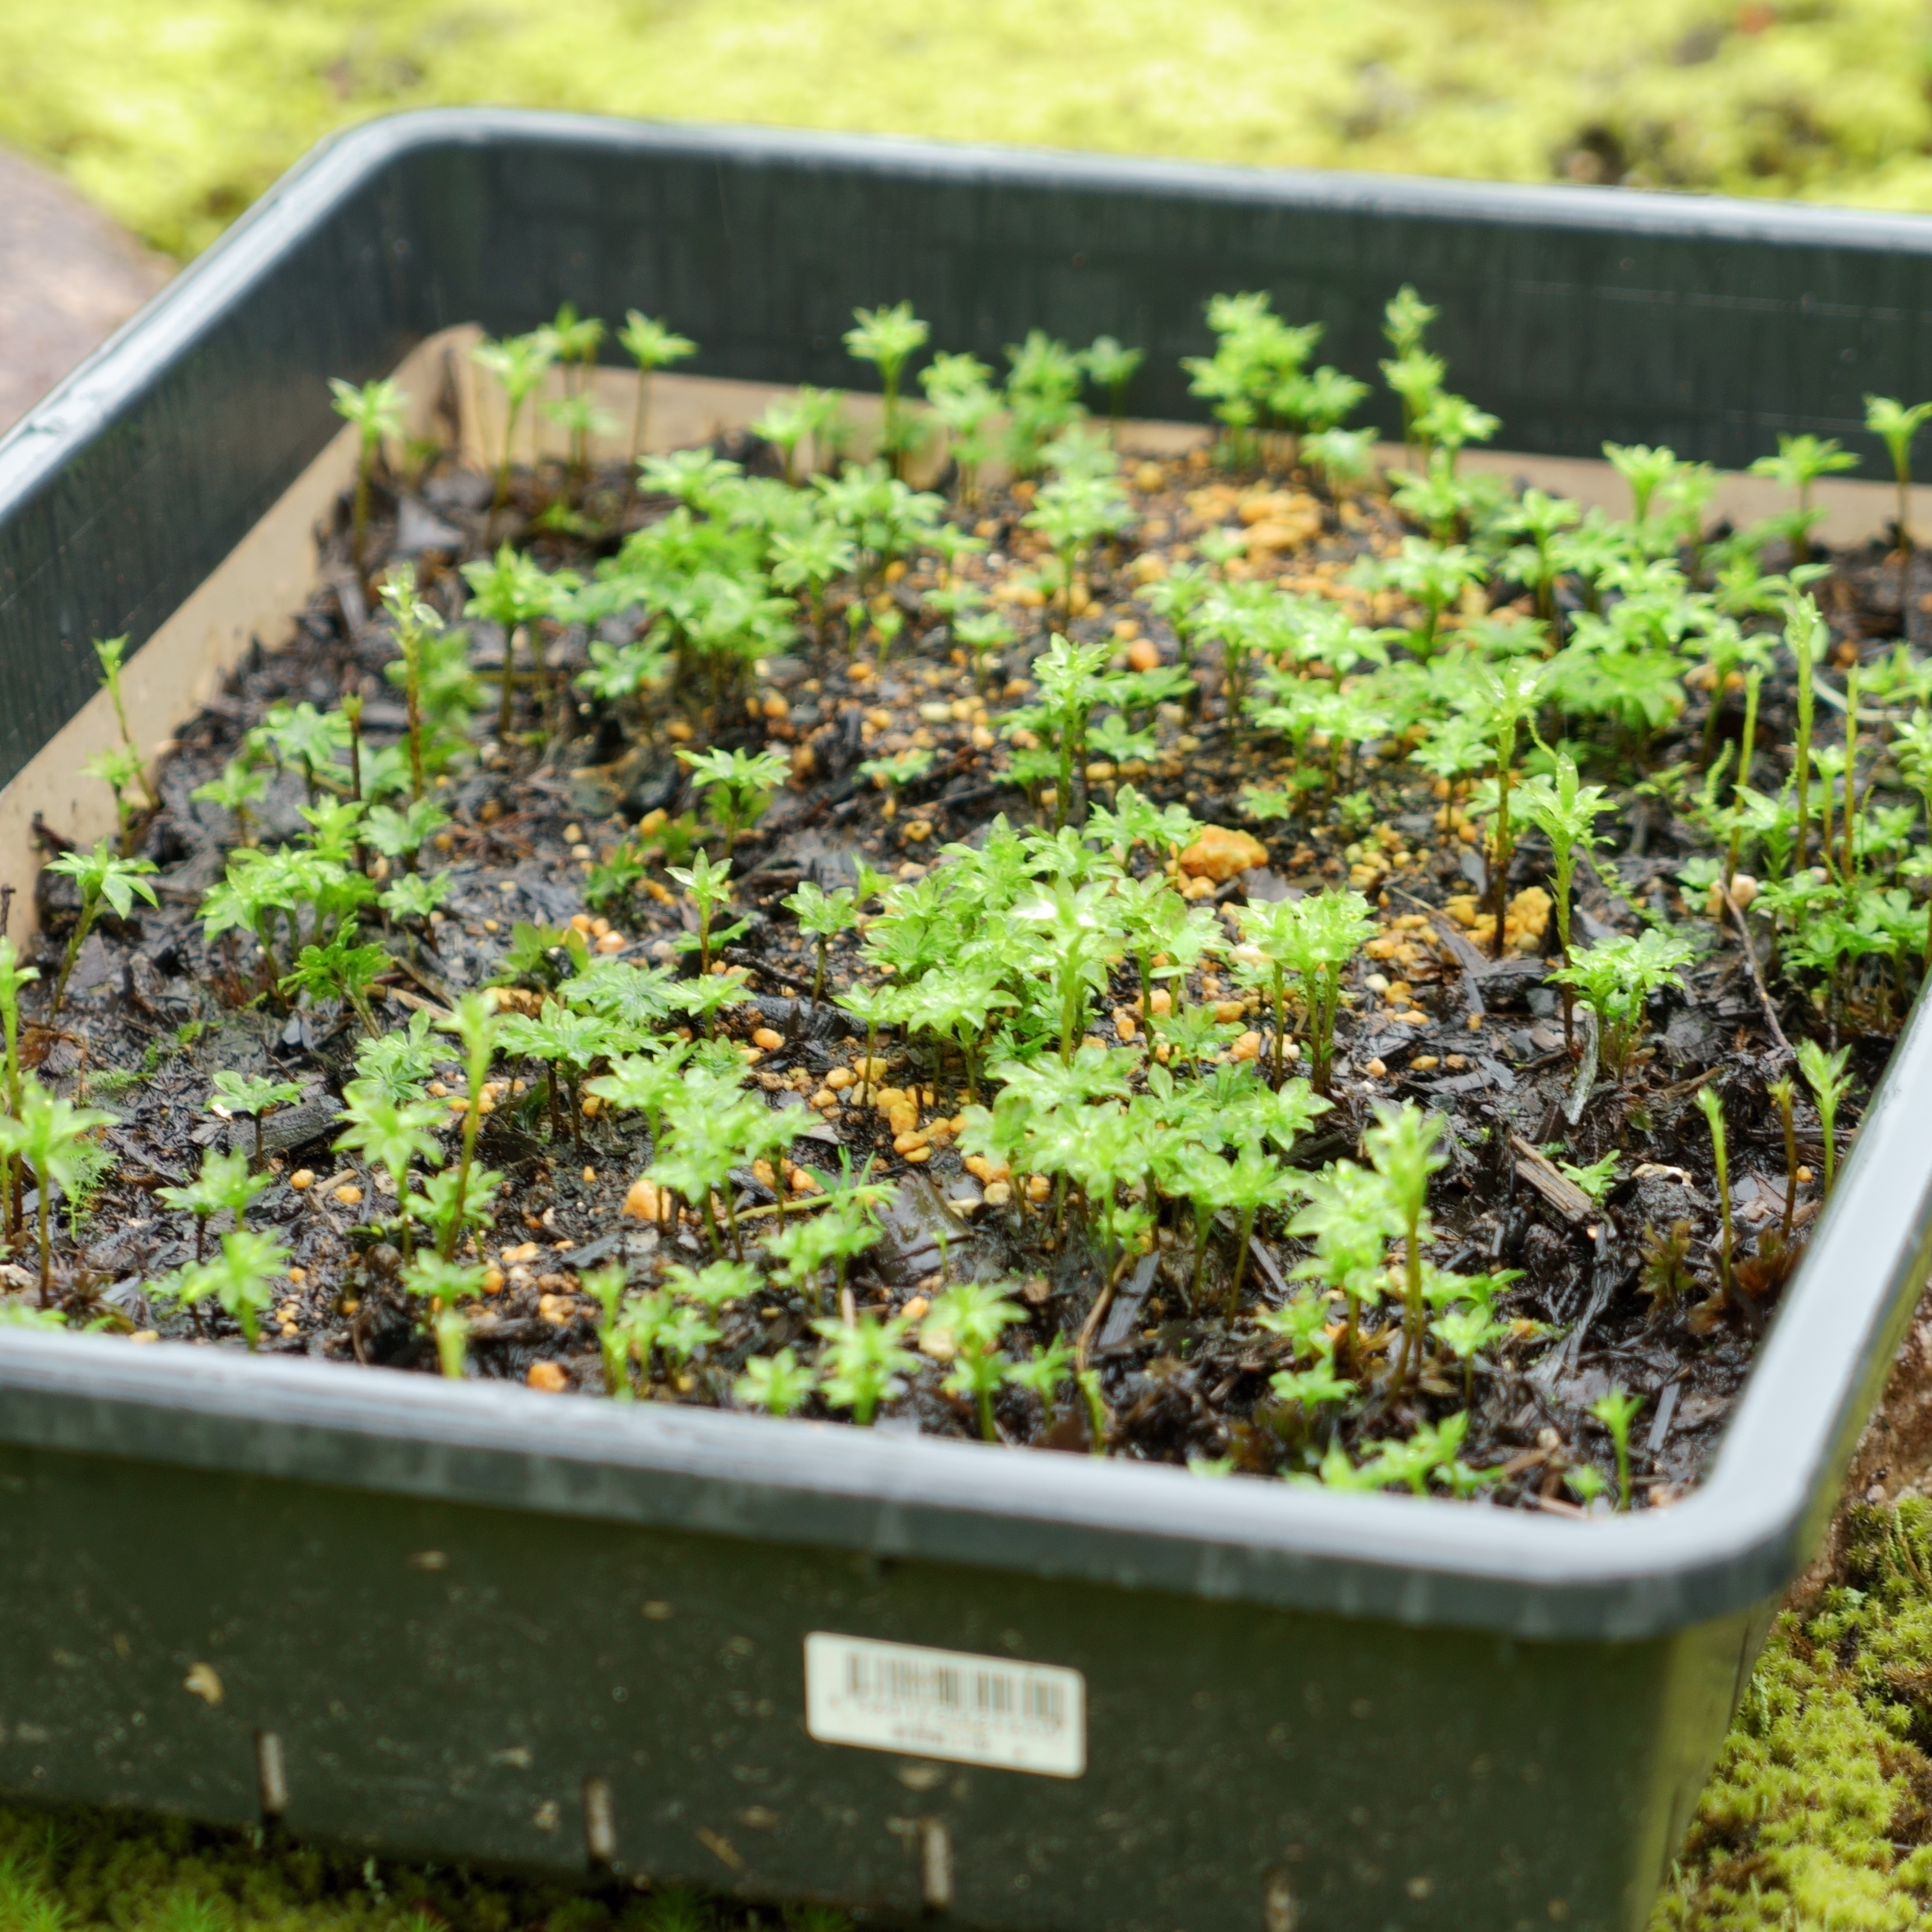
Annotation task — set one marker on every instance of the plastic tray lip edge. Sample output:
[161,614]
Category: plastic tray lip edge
[1627,1578]
[1651,213]
[86,399]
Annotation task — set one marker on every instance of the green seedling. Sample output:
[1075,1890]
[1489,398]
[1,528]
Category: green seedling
[237,788]
[959,390]
[1043,384]
[344,971]
[250,1097]
[864,1364]
[1714,1115]
[1542,518]
[779,1384]
[887,338]
[1314,938]
[474,1023]
[416,623]
[1585,1483]
[50,1136]
[112,652]
[1825,1074]
[1043,1372]
[225,1183]
[1895,426]
[807,560]
[1616,978]
[13,976]
[1800,462]
[391,1134]
[963,1327]
[512,591]
[518,363]
[822,916]
[1616,1409]
[608,1285]
[567,1041]
[105,879]
[740,784]
[785,425]
[652,346]
[1499,701]
[1646,470]
[709,887]
[445,1287]
[243,1280]
[1405,1148]
[1099,1424]
[117,768]
[1565,811]
[376,410]
[1782,1093]
[1110,367]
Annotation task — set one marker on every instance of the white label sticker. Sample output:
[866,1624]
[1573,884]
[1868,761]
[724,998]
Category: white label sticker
[945,1704]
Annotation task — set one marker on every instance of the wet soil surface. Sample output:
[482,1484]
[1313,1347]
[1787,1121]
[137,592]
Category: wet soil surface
[1621,1292]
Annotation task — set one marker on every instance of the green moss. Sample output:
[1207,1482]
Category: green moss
[176,117]
[1819,1813]
[72,1870]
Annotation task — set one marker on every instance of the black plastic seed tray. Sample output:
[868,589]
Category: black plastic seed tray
[474,1621]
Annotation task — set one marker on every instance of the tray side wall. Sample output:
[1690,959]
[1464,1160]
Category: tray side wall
[1575,316]
[443,1678]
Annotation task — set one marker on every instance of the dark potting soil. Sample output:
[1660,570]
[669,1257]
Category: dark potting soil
[1620,1293]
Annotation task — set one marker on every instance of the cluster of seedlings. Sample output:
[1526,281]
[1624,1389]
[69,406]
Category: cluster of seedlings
[1236,959]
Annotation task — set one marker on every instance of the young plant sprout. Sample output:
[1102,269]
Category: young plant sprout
[1714,1115]
[778,1384]
[1314,939]
[887,338]
[1895,426]
[1100,1426]
[1564,810]
[224,1184]
[117,768]
[709,887]
[475,1024]
[1825,1074]
[652,345]
[392,1134]
[50,1135]
[864,1364]
[376,410]
[822,916]
[1616,978]
[1110,368]
[1404,1147]
[112,652]
[105,879]
[1800,462]
[963,1327]
[1616,1409]
[250,1096]
[518,363]
[242,1280]
[740,783]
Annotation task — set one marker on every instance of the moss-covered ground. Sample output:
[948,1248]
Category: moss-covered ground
[175,115]
[1818,1818]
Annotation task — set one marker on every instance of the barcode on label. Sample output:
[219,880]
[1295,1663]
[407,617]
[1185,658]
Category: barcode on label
[945,1704]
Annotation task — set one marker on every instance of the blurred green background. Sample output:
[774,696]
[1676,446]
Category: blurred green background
[174,114]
